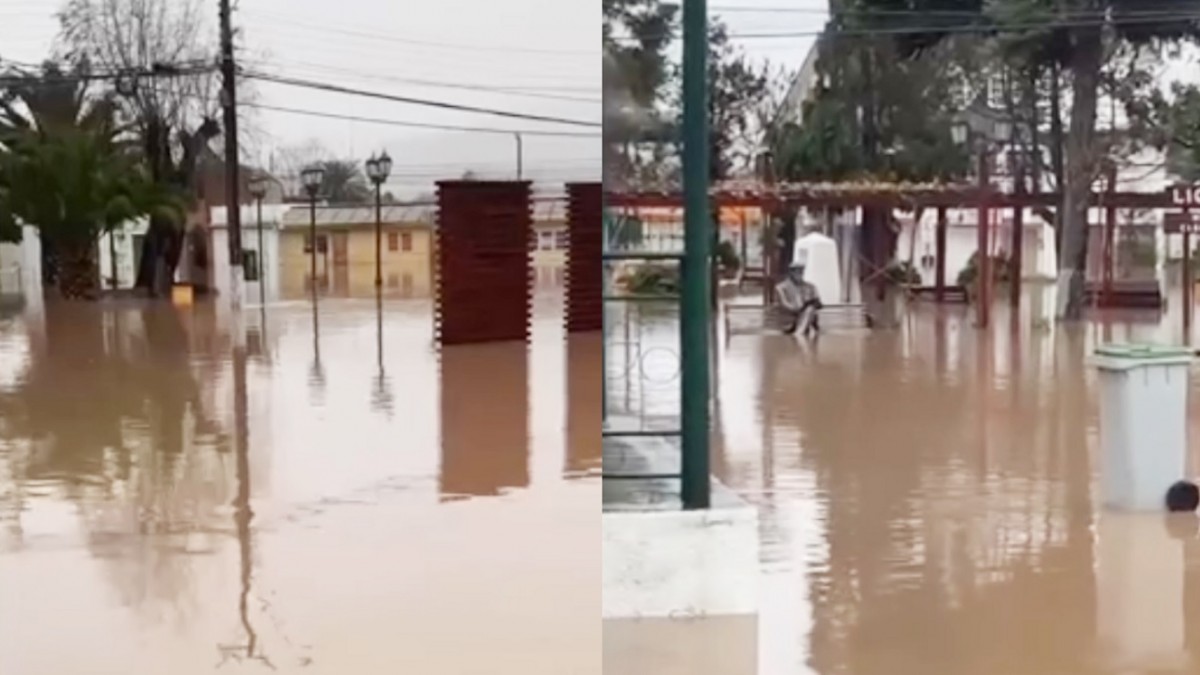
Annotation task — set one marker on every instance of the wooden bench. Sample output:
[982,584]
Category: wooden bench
[1125,294]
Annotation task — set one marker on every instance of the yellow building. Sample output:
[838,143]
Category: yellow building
[345,252]
[550,246]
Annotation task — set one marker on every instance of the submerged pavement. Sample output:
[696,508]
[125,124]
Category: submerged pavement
[927,502]
[336,497]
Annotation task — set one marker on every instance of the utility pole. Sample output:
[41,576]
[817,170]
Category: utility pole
[233,207]
[520,156]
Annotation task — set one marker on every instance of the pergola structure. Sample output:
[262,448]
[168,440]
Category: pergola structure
[940,197]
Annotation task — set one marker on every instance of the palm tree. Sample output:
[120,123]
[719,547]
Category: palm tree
[344,183]
[65,169]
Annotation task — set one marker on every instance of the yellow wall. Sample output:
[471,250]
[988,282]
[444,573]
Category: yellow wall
[405,273]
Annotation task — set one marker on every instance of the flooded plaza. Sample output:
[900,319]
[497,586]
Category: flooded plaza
[927,502]
[332,495]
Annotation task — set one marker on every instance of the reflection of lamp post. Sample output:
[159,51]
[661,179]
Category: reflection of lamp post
[982,143]
[312,178]
[378,169]
[258,190]
[316,373]
[381,394]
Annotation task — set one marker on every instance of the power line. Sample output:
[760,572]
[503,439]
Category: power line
[983,28]
[952,13]
[337,89]
[422,125]
[421,62]
[30,77]
[509,91]
[325,28]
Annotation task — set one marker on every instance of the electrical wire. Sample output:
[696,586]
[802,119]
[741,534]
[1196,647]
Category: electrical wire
[325,28]
[419,62]
[421,125]
[508,91]
[337,89]
[952,13]
[34,78]
[982,28]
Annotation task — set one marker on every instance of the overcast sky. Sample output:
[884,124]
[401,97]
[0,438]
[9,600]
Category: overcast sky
[550,49]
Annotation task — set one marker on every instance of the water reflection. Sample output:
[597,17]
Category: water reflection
[485,419]
[316,372]
[584,398]
[926,504]
[167,499]
[381,390]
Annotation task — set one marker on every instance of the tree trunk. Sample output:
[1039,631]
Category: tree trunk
[163,245]
[1056,152]
[78,270]
[1081,164]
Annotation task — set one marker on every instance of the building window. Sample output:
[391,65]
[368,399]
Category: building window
[322,244]
[393,241]
[545,241]
[561,240]
[406,241]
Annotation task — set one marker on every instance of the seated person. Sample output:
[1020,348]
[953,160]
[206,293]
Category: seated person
[801,300]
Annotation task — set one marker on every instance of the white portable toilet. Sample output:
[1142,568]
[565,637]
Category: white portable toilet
[819,255]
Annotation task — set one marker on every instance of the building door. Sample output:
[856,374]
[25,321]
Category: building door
[341,244]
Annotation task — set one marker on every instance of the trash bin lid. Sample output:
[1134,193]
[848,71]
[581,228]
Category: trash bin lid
[1144,351]
[1121,356]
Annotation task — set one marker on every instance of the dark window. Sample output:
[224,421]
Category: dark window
[393,241]
[250,271]
[406,241]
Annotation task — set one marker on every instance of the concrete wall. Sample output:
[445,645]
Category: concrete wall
[21,265]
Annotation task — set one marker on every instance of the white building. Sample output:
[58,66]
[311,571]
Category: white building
[125,246]
[268,284]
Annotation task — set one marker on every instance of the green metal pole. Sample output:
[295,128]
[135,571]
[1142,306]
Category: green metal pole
[697,242]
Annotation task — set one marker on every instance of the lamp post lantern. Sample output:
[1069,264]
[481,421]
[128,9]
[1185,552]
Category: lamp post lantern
[312,178]
[258,190]
[378,170]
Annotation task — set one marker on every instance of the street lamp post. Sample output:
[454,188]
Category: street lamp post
[258,190]
[312,178]
[378,170]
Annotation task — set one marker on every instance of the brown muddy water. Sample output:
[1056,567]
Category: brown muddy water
[928,504]
[335,498]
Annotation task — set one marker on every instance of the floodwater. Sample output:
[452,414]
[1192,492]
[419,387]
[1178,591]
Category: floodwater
[333,496]
[928,503]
